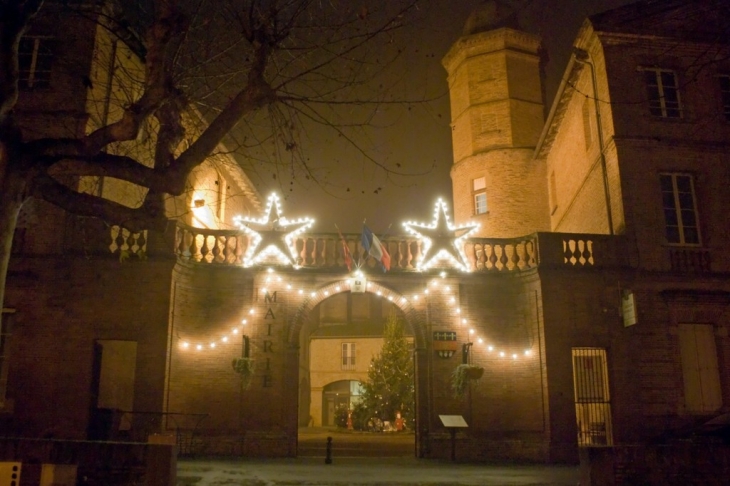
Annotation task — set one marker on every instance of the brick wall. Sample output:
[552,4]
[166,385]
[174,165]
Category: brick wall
[62,306]
[687,463]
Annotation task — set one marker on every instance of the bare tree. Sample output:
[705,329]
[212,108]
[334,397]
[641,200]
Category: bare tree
[267,67]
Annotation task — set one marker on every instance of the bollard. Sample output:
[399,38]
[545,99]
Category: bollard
[328,458]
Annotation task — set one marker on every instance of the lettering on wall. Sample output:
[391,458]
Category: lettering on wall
[270,301]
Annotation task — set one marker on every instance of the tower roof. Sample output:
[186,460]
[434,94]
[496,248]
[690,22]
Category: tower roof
[491,15]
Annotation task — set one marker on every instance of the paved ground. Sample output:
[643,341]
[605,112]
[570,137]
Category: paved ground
[373,459]
[371,471]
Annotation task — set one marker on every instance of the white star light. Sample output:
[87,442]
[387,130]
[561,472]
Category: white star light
[440,241]
[272,235]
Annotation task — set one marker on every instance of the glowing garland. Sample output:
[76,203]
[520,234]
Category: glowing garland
[440,236]
[272,235]
[434,284]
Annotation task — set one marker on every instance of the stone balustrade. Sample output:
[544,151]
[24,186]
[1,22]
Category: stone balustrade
[490,255]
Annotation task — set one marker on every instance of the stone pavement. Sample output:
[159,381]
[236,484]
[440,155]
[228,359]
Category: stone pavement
[389,471]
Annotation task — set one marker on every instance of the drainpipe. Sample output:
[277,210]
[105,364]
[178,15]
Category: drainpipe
[582,56]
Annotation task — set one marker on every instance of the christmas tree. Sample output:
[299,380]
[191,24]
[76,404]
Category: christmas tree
[389,388]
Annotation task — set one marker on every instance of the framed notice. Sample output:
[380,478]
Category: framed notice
[628,308]
[453,421]
[358,285]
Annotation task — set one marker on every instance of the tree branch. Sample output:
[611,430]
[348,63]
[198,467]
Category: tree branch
[134,219]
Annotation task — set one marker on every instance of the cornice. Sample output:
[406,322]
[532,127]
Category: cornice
[490,41]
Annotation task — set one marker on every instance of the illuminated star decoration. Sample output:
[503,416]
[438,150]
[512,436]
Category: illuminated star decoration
[440,241]
[271,235]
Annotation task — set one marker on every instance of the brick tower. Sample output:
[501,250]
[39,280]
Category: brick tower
[496,120]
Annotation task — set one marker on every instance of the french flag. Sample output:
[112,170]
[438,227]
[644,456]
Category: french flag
[375,248]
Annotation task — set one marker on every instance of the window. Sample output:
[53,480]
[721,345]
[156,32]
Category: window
[680,209]
[348,356]
[663,93]
[220,206]
[699,368]
[480,195]
[34,61]
[117,364]
[5,328]
[725,90]
[587,132]
[553,193]
[592,398]
[480,203]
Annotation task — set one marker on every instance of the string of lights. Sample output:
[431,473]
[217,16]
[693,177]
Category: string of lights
[275,282]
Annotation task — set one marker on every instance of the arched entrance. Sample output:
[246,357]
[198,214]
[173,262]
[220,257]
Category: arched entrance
[336,396]
[338,335]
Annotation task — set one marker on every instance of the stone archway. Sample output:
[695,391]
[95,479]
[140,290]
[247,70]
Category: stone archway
[298,327]
[412,315]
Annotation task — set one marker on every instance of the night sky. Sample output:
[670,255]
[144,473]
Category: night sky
[413,138]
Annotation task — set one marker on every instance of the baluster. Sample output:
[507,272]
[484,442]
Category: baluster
[399,263]
[122,239]
[492,259]
[216,254]
[142,240]
[242,242]
[588,255]
[499,252]
[204,249]
[569,251]
[233,243]
[479,256]
[519,256]
[195,246]
[189,241]
[178,240]
[323,254]
[511,258]
[113,232]
[313,251]
[530,252]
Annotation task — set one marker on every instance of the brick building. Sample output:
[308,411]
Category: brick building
[594,296]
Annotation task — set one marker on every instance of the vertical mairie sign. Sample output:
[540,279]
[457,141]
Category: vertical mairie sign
[269,346]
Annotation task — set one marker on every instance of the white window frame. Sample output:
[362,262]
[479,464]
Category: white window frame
[662,107]
[682,227]
[348,356]
[30,79]
[478,187]
[480,203]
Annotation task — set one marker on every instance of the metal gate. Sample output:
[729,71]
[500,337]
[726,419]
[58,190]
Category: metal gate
[592,397]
